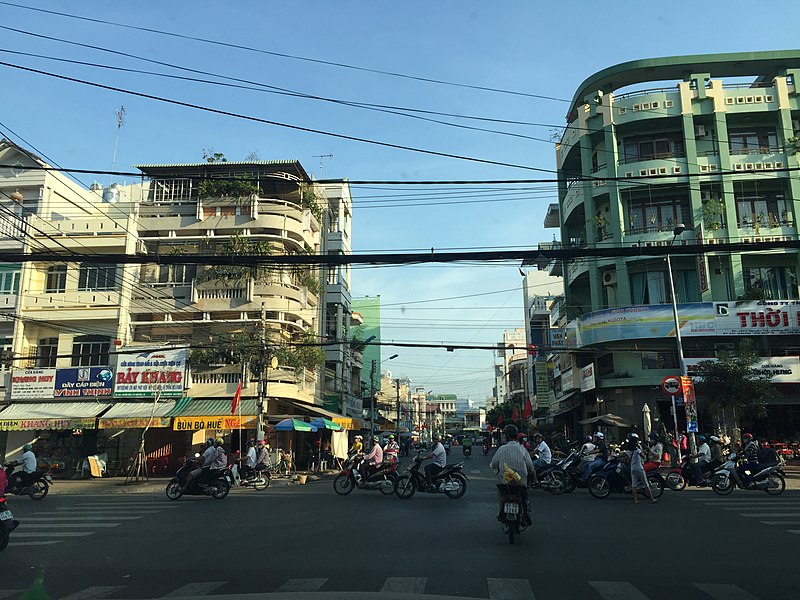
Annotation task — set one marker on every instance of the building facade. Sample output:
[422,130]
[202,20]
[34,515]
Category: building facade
[708,142]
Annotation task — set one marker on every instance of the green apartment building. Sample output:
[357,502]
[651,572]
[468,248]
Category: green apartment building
[707,141]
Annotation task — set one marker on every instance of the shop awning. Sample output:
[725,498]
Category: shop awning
[311,410]
[137,415]
[194,414]
[51,415]
[609,419]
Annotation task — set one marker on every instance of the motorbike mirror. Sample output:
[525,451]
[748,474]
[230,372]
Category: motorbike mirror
[197,455]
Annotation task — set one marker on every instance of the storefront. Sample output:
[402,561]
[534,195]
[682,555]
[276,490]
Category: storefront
[63,433]
[200,418]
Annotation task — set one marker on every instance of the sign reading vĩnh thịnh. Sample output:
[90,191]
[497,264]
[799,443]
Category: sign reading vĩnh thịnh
[142,373]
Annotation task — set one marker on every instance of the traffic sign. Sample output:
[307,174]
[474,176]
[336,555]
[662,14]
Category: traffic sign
[671,384]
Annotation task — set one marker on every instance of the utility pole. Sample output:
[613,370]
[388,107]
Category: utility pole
[397,385]
[262,376]
[372,397]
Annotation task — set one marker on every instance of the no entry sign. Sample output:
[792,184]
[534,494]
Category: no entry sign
[671,384]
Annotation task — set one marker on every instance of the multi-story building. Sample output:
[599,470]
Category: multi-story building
[708,142]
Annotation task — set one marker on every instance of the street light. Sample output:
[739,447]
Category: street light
[372,391]
[679,229]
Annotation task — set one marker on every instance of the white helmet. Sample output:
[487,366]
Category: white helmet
[599,435]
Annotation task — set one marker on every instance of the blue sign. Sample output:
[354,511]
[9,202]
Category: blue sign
[84,382]
[691,427]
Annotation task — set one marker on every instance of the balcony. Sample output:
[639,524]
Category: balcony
[73,304]
[757,159]
[8,301]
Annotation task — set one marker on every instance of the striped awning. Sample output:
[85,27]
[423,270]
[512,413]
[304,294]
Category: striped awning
[27,416]
[127,415]
[196,407]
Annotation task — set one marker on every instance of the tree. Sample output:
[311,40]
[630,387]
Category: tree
[734,387]
[505,409]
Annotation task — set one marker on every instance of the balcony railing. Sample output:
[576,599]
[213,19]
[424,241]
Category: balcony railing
[661,156]
[635,93]
[759,150]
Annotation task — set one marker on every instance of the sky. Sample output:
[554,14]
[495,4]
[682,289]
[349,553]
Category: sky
[537,53]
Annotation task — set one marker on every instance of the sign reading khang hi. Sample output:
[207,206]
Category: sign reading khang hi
[33,424]
[142,374]
[32,384]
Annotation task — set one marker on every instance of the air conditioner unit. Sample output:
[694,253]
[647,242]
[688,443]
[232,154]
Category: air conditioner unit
[699,130]
[609,278]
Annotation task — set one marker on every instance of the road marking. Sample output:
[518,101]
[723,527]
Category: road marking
[101,591]
[617,590]
[793,530]
[475,471]
[65,525]
[311,584]
[9,593]
[42,543]
[27,534]
[772,514]
[60,517]
[724,591]
[763,506]
[509,589]
[147,511]
[405,585]
[781,522]
[201,588]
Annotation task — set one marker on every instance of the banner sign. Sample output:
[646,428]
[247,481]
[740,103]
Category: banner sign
[32,384]
[32,424]
[83,382]
[690,403]
[587,378]
[133,423]
[353,407]
[772,317]
[779,369]
[213,422]
[348,424]
[141,374]
[542,380]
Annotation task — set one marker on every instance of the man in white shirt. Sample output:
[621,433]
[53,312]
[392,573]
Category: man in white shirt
[517,458]
[28,462]
[439,456]
[543,455]
[704,456]
[249,459]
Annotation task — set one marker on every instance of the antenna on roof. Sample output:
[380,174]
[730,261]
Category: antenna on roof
[320,157]
[120,122]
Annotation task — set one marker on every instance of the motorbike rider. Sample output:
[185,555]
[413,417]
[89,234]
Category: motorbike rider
[249,459]
[517,458]
[717,457]
[466,444]
[358,446]
[374,459]
[220,459]
[543,455]
[750,452]
[22,479]
[439,457]
[704,455]
[655,451]
[205,461]
[263,460]
[600,454]
[487,442]
[392,449]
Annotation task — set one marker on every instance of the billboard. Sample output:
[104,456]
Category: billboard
[83,382]
[141,374]
[779,369]
[32,384]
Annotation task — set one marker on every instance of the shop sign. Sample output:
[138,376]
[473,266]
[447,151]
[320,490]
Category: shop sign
[348,424]
[83,382]
[134,423]
[542,384]
[766,317]
[34,424]
[587,378]
[142,374]
[32,384]
[213,422]
[778,369]
[354,407]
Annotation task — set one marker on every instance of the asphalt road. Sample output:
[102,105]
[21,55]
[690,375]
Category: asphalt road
[306,542]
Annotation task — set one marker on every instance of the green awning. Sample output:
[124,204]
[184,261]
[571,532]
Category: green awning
[199,407]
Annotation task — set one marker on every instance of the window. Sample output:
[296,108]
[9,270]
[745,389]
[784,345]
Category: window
[763,210]
[652,287]
[635,149]
[56,280]
[659,360]
[753,141]
[46,353]
[9,282]
[170,191]
[176,273]
[652,217]
[6,356]
[775,283]
[90,351]
[92,278]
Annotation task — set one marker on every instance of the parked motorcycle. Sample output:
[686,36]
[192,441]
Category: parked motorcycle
[552,479]
[384,478]
[514,516]
[40,483]
[7,523]
[570,466]
[214,483]
[257,479]
[450,481]
[679,477]
[612,478]
[768,478]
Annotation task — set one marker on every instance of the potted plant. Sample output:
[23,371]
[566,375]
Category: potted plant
[601,224]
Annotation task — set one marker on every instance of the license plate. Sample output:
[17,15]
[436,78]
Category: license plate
[6,515]
[511,508]
[48,479]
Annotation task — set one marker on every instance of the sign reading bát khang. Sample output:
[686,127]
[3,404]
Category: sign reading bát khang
[143,374]
[32,384]
[214,422]
[83,382]
[34,424]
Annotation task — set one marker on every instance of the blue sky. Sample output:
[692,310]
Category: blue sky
[532,47]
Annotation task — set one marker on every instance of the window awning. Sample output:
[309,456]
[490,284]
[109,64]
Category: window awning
[137,415]
[51,415]
[310,410]
[221,407]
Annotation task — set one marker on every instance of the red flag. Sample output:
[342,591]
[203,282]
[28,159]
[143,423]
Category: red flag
[527,412]
[500,421]
[236,397]
[515,414]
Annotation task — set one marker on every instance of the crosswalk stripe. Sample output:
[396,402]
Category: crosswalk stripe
[724,591]
[780,522]
[28,534]
[770,514]
[67,525]
[475,471]
[509,589]
[100,511]
[40,543]
[130,504]
[793,530]
[9,593]
[50,518]
[761,506]
[200,588]
[311,584]
[100,591]
[617,590]
[405,585]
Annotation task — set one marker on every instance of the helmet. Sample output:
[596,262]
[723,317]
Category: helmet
[220,440]
[251,443]
[539,435]
[588,438]
[358,437]
[262,442]
[27,447]
[701,438]
[632,436]
[713,438]
[520,437]
[391,436]
[210,442]
[747,436]
[599,435]
[654,436]
[511,432]
[375,438]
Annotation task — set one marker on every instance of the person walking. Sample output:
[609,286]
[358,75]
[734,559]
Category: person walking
[638,478]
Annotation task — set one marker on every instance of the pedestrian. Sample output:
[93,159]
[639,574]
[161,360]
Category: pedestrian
[638,479]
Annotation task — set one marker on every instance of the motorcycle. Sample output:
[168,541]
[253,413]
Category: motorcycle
[384,478]
[769,478]
[485,449]
[612,478]
[514,517]
[7,523]
[571,467]
[39,487]
[467,451]
[552,479]
[679,477]
[450,481]
[214,483]
[257,479]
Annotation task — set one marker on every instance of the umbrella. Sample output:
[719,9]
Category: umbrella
[294,425]
[608,419]
[648,425]
[322,423]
